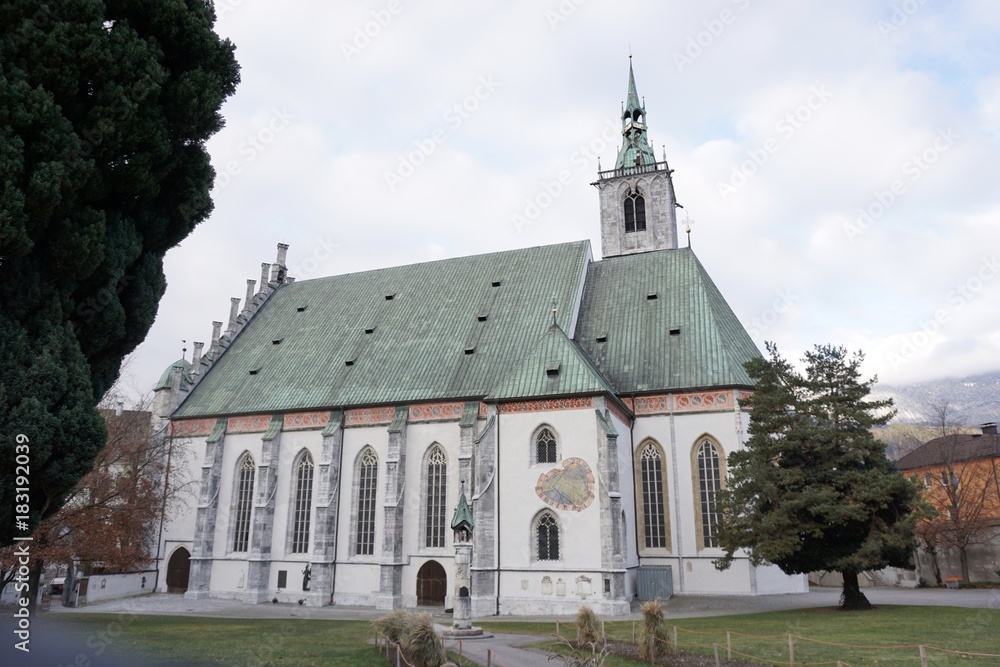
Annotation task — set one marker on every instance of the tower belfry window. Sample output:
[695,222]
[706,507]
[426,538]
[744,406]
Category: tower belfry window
[635,212]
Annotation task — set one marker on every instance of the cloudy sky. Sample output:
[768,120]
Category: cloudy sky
[837,160]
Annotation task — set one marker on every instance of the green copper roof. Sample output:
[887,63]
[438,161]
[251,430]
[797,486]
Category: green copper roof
[635,149]
[167,378]
[463,515]
[656,321]
[554,367]
[446,329]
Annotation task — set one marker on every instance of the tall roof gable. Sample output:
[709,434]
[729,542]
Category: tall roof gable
[656,321]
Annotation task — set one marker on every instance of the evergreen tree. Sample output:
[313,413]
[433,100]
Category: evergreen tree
[105,108]
[813,490]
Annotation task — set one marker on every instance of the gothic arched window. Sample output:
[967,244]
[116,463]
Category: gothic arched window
[709,484]
[546,450]
[244,503]
[653,486]
[635,212]
[435,499]
[367,475]
[546,537]
[302,503]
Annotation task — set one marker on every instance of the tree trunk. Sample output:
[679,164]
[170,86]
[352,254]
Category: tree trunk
[852,599]
[964,558]
[935,566]
[34,575]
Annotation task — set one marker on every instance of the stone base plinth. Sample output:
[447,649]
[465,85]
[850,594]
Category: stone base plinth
[467,633]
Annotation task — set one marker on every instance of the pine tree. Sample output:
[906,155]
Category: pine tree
[105,108]
[813,490]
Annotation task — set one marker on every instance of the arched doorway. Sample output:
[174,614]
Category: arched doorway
[432,583]
[178,569]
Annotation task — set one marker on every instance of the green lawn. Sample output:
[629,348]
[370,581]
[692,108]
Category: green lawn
[957,629]
[301,642]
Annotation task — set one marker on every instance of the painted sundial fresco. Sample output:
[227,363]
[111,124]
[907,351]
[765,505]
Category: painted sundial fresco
[568,488]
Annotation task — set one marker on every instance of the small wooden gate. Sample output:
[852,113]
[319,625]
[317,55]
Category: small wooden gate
[178,569]
[432,585]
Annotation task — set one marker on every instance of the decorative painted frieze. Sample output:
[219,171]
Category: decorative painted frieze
[369,416]
[248,424]
[576,403]
[700,401]
[296,421]
[436,412]
[191,427]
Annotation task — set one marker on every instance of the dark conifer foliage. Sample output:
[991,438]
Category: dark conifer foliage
[105,108]
[813,489]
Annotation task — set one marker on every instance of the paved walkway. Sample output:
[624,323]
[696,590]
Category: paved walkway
[507,648]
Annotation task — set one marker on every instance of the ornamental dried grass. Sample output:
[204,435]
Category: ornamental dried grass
[653,638]
[422,644]
[588,627]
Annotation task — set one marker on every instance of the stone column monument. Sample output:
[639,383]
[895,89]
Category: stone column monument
[462,525]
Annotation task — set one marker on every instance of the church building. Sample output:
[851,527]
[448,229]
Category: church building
[585,409]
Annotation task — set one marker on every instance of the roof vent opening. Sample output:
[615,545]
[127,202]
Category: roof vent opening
[496,283]
[470,350]
[552,369]
[277,341]
[349,362]
[652,296]
[390,297]
[369,330]
[254,371]
[482,318]
[602,338]
[302,308]
[675,331]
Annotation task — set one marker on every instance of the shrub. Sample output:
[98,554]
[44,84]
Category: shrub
[422,644]
[393,625]
[653,638]
[588,626]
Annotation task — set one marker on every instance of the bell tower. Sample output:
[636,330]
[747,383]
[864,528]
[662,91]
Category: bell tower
[638,206]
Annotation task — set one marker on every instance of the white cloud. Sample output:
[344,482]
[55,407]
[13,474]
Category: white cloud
[321,180]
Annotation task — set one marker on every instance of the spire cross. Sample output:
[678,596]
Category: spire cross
[687,225]
[554,310]
[184,350]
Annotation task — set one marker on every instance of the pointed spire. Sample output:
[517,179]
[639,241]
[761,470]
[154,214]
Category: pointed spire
[633,97]
[635,150]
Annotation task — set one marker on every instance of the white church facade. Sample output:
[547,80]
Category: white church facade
[585,408]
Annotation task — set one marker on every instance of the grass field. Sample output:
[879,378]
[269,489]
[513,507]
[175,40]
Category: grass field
[953,628]
[293,643]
